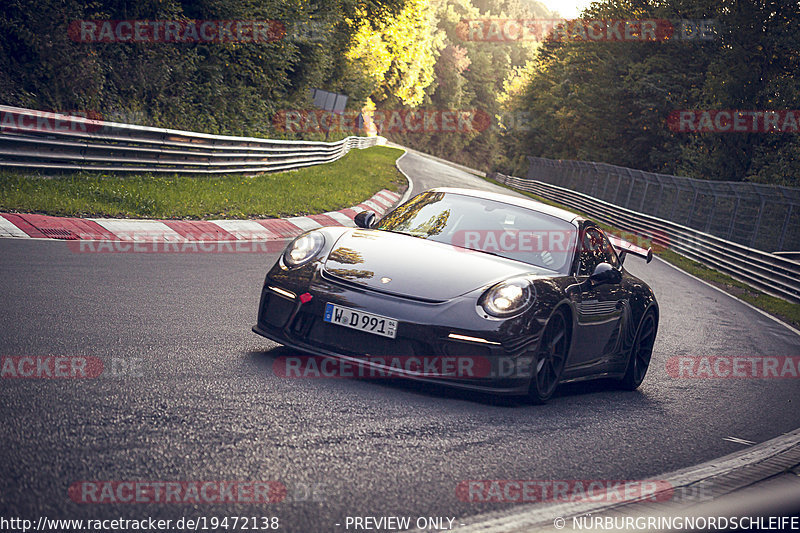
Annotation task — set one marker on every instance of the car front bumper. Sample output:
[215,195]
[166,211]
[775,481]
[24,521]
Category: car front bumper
[500,356]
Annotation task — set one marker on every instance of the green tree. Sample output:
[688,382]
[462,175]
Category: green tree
[609,101]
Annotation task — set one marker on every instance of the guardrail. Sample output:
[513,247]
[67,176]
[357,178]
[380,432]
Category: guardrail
[766,217]
[774,274]
[44,140]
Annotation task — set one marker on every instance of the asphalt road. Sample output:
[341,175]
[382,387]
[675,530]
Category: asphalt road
[193,397]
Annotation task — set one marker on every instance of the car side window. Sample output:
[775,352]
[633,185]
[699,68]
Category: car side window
[595,249]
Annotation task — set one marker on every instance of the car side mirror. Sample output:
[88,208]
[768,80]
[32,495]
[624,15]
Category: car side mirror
[365,219]
[605,273]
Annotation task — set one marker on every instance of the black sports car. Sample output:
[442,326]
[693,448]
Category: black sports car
[478,290]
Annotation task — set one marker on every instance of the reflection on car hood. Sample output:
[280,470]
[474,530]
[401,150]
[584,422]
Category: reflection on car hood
[414,267]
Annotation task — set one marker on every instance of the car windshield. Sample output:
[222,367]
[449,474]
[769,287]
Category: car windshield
[488,226]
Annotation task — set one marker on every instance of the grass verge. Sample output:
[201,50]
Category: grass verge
[316,189]
[778,307]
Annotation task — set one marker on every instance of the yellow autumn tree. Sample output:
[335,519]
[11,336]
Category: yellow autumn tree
[395,58]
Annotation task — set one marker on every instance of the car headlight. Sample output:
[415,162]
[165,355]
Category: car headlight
[508,297]
[303,249]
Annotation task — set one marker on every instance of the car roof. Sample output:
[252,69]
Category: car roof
[527,203]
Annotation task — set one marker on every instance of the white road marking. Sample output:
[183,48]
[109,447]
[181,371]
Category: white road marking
[304,223]
[375,207]
[341,218]
[139,230]
[382,201]
[739,441]
[246,230]
[388,195]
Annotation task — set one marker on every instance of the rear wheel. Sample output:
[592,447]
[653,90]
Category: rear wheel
[551,356]
[641,352]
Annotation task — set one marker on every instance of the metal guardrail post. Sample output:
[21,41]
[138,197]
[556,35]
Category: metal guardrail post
[691,209]
[713,211]
[616,192]
[644,195]
[630,187]
[757,225]
[733,216]
[605,179]
[660,198]
[785,228]
[676,200]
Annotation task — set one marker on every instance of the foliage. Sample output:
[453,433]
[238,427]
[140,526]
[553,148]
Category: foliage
[475,77]
[227,88]
[395,57]
[609,101]
[596,101]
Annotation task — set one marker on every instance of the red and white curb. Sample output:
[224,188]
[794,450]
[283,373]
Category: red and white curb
[28,226]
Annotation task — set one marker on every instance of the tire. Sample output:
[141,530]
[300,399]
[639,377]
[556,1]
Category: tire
[550,359]
[641,353]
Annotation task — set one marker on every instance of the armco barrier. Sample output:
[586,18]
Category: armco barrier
[44,140]
[771,273]
[756,215]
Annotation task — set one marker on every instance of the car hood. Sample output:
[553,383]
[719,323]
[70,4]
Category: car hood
[414,267]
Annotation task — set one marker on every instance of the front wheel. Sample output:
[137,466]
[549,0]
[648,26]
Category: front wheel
[641,352]
[550,360]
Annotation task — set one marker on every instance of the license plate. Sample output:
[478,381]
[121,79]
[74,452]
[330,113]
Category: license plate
[344,316]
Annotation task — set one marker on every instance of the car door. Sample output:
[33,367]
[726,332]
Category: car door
[599,307]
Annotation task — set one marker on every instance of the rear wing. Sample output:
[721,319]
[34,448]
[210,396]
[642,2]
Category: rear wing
[624,247]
